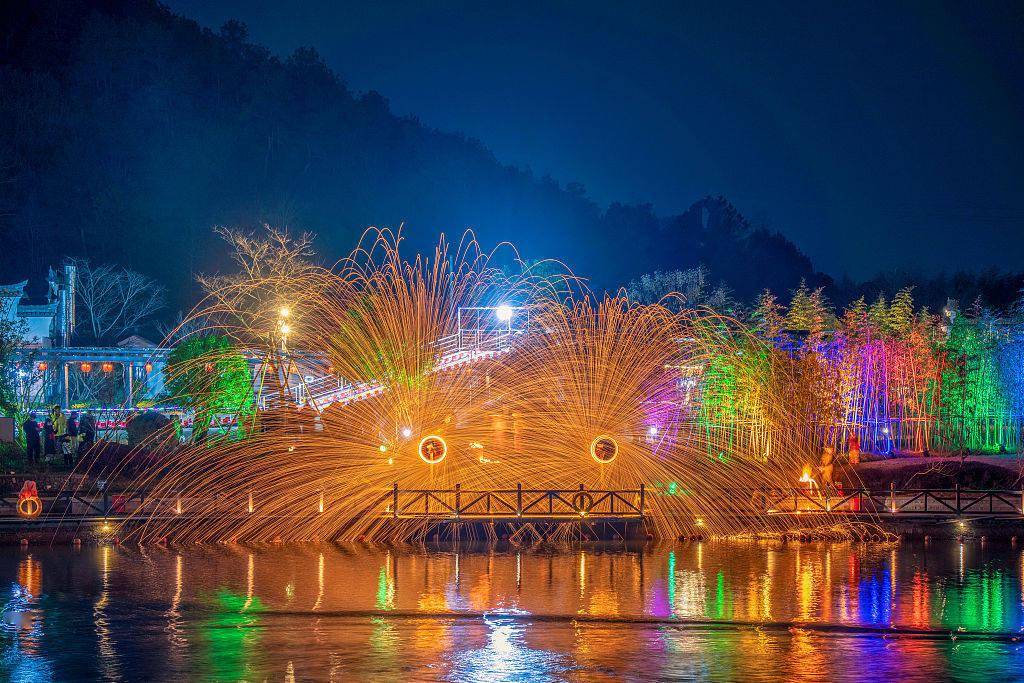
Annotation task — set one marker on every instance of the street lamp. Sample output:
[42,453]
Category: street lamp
[504,313]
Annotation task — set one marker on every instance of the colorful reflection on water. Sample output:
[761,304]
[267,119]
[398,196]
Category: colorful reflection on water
[718,610]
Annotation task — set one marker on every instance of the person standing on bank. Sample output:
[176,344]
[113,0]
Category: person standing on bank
[32,446]
[72,440]
[87,431]
[49,441]
[60,432]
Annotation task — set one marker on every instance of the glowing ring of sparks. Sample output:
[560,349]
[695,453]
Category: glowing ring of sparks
[432,449]
[30,507]
[603,449]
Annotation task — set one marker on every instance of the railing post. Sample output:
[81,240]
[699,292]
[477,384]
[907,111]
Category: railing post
[642,490]
[458,499]
[106,502]
[958,498]
[519,500]
[394,500]
[892,497]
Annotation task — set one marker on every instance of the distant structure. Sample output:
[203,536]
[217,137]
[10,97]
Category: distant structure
[114,377]
[49,324]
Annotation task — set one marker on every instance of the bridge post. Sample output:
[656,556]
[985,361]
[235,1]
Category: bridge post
[458,499]
[394,501]
[892,497]
[642,489]
[519,500]
[958,498]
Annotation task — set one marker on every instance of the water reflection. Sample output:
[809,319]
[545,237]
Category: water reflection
[305,612]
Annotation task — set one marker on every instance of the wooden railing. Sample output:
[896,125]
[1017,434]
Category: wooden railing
[517,503]
[958,502]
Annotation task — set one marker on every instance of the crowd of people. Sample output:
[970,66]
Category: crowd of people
[59,434]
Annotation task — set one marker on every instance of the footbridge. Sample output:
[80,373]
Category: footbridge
[525,504]
[482,332]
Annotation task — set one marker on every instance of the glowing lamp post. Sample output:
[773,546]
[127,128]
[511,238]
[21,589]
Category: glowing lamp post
[284,328]
[504,313]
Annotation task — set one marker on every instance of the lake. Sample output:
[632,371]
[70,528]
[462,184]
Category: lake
[718,610]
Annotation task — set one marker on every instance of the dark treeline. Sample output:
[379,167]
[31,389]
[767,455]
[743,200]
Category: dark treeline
[127,132]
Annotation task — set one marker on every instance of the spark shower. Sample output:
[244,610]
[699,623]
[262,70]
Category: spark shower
[555,388]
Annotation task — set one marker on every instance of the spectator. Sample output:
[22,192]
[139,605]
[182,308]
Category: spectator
[87,431]
[72,438]
[49,438]
[32,446]
[60,434]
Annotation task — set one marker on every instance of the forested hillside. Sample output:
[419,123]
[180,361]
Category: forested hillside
[126,133]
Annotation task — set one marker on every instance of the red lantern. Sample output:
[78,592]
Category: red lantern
[42,366]
[208,367]
[107,367]
[86,367]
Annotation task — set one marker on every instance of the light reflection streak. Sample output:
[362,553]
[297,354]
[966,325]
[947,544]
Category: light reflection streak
[519,571]
[108,652]
[671,583]
[174,618]
[250,582]
[320,582]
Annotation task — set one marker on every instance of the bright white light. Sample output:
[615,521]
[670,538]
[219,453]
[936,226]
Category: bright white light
[504,313]
[285,312]
[652,430]
[885,430]
[285,328]
[406,432]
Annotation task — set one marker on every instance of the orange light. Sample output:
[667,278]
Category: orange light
[29,504]
[149,367]
[208,367]
[107,367]
[433,449]
[42,366]
[86,367]
[603,449]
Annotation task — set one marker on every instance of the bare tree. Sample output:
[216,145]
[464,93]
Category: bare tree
[275,273]
[114,301]
[691,288]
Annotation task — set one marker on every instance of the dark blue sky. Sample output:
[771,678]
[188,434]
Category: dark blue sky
[874,137]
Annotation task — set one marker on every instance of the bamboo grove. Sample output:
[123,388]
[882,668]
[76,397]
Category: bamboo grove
[900,379]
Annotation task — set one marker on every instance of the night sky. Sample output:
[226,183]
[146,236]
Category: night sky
[874,137]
